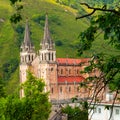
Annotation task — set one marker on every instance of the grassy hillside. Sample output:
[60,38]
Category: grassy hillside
[63,27]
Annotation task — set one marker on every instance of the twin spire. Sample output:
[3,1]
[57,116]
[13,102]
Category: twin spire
[46,43]
[27,40]
[27,44]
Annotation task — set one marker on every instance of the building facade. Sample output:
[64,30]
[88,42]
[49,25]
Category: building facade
[61,75]
[100,112]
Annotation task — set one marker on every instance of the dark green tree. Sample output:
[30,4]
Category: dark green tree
[78,112]
[34,92]
[107,22]
[2,88]
[16,16]
[34,106]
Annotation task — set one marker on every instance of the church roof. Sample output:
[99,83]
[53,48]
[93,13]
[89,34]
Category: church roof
[72,61]
[70,79]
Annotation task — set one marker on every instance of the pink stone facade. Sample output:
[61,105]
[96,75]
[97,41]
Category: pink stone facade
[62,79]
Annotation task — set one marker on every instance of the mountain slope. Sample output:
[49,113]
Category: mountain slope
[63,27]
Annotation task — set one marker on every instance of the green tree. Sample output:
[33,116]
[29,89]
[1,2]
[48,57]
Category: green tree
[2,88]
[16,16]
[78,112]
[109,23]
[34,106]
[106,22]
[34,92]
[9,67]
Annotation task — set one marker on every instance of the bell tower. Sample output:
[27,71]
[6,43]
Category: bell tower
[48,52]
[47,57]
[27,55]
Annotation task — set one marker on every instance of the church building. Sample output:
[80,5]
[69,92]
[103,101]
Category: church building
[61,75]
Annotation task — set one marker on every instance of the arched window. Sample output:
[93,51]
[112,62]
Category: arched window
[61,71]
[29,57]
[26,49]
[51,69]
[60,89]
[22,59]
[45,56]
[52,90]
[99,110]
[69,71]
[32,57]
[42,56]
[78,89]
[52,56]
[49,55]
[69,89]
[26,58]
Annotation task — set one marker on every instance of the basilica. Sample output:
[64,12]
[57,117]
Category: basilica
[62,76]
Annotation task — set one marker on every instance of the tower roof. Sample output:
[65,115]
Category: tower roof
[27,41]
[47,42]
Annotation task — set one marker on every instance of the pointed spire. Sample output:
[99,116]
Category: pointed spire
[46,31]
[27,45]
[27,41]
[47,42]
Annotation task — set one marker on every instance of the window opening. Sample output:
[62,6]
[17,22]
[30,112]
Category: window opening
[117,111]
[51,90]
[60,89]
[69,89]
[61,71]
[99,110]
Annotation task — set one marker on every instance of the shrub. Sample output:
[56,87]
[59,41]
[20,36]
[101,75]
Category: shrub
[58,43]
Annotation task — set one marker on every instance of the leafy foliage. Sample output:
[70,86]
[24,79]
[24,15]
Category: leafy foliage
[2,88]
[20,32]
[38,99]
[16,17]
[75,3]
[58,43]
[14,1]
[9,67]
[87,37]
[76,113]
[108,23]
[34,106]
[108,66]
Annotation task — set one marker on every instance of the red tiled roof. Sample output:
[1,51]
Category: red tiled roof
[70,79]
[71,61]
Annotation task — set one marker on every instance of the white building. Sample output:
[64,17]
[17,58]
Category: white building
[105,110]
[101,113]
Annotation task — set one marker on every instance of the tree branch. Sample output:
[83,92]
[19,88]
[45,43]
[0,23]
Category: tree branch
[113,104]
[86,15]
[97,9]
